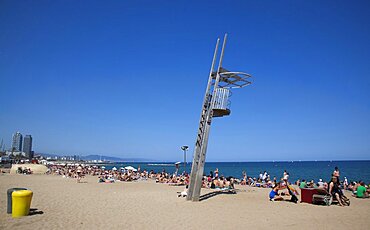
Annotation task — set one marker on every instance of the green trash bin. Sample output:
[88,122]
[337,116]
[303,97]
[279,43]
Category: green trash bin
[9,194]
[21,203]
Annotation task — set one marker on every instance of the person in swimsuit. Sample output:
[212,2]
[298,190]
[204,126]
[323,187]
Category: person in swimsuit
[79,173]
[274,194]
[336,172]
[334,190]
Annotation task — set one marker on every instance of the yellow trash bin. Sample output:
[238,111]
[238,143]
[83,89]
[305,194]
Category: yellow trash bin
[21,200]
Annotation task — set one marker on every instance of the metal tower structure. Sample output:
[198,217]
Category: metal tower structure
[215,104]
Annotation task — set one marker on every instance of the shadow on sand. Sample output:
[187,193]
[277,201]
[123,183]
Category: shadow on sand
[215,193]
[35,211]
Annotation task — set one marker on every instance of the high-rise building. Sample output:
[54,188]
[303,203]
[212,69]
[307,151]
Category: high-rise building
[27,146]
[17,142]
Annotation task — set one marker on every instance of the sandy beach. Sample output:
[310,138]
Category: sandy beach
[61,203]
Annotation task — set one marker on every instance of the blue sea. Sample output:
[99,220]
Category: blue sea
[308,170]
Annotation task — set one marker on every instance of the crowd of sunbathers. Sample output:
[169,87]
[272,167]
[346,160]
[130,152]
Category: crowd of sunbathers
[333,188]
[214,181]
[112,175]
[104,175]
[263,180]
[78,171]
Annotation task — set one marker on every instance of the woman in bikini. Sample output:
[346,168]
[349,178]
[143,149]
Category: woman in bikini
[334,190]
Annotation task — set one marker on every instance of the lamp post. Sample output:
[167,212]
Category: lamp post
[184,148]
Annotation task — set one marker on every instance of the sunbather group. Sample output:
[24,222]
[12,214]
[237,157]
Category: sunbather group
[215,181]
[171,179]
[333,188]
[218,182]
[263,180]
[79,171]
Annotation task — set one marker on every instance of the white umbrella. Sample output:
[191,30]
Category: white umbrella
[130,168]
[114,168]
[103,167]
[177,163]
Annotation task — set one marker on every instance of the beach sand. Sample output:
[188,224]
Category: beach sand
[62,203]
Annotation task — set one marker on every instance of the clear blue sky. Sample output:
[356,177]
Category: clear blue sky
[127,78]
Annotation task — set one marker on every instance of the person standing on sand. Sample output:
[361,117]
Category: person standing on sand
[264,176]
[285,176]
[245,178]
[336,172]
[177,166]
[345,183]
[216,173]
[79,172]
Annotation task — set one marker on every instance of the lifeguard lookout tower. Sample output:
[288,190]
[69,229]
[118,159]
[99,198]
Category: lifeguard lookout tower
[216,103]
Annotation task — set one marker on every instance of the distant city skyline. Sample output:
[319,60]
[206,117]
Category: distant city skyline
[20,145]
[126,79]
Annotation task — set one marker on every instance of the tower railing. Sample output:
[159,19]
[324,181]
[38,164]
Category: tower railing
[221,106]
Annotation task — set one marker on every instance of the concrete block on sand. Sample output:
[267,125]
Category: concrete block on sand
[35,168]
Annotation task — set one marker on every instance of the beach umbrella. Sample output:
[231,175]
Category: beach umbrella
[103,167]
[130,168]
[177,163]
[114,168]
